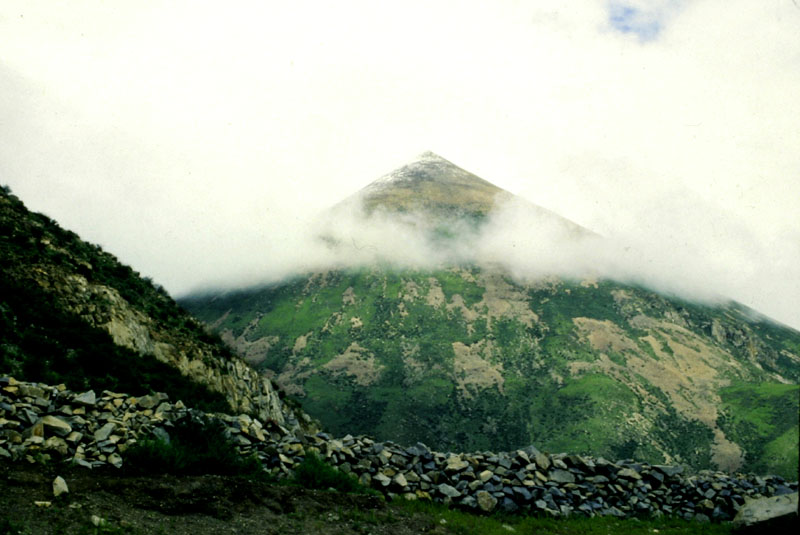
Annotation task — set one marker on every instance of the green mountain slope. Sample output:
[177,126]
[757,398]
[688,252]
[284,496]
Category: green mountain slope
[462,359]
[465,357]
[71,313]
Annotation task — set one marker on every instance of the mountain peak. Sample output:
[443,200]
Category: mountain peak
[442,191]
[430,155]
[431,183]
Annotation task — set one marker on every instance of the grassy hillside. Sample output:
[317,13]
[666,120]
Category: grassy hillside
[467,359]
[764,419]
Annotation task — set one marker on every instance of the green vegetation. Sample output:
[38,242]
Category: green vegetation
[587,415]
[460,522]
[453,283]
[314,473]
[399,321]
[573,300]
[193,448]
[9,527]
[763,419]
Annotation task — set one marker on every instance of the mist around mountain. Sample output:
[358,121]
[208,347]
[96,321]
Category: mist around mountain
[446,310]
[403,219]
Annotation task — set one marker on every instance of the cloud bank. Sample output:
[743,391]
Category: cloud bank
[197,141]
[526,242]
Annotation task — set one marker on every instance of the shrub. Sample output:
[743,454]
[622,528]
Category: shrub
[314,473]
[193,448]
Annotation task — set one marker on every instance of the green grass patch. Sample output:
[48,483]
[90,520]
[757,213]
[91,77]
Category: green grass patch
[781,453]
[453,283]
[9,527]
[329,397]
[461,522]
[763,418]
[587,415]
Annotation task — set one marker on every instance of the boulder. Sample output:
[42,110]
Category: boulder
[456,464]
[104,432]
[541,460]
[777,514]
[59,486]
[486,502]
[447,490]
[86,398]
[629,473]
[56,426]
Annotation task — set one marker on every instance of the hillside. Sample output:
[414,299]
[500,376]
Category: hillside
[71,313]
[466,357]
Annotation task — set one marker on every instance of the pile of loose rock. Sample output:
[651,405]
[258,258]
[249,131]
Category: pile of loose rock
[532,482]
[44,422]
[41,422]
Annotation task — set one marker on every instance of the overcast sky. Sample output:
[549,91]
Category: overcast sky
[193,139]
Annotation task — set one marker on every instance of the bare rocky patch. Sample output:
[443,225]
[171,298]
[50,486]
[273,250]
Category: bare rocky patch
[688,370]
[349,297]
[294,374]
[501,299]
[357,363]
[472,371]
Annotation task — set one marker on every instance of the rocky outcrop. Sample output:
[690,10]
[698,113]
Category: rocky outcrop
[47,267]
[101,306]
[44,422]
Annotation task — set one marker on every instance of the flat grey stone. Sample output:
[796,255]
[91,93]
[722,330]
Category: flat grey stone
[758,513]
[561,476]
[86,398]
[448,491]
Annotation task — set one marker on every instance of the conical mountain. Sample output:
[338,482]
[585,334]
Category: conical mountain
[441,191]
[468,357]
[432,184]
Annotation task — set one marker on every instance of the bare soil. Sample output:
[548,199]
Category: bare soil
[188,505]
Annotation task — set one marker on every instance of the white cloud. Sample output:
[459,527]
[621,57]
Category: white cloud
[171,131]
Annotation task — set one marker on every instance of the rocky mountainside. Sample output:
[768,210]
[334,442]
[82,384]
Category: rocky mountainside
[467,357]
[71,313]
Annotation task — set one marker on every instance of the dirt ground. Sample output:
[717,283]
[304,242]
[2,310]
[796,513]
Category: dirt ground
[107,502]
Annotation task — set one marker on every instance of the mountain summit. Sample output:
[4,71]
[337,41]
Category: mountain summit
[445,194]
[432,183]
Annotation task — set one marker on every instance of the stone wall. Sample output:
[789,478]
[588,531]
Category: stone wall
[40,422]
